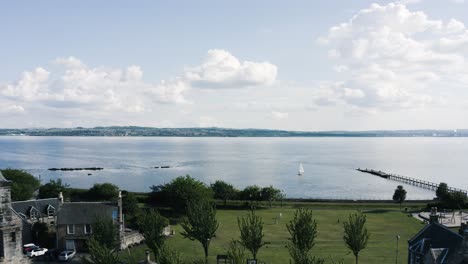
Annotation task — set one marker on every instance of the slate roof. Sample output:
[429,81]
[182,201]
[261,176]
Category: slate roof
[85,212]
[441,236]
[442,243]
[24,207]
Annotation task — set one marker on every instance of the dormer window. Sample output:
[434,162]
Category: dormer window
[33,213]
[50,211]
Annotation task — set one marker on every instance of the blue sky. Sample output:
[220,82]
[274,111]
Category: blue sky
[265,64]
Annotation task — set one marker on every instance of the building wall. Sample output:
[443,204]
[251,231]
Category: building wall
[63,236]
[10,230]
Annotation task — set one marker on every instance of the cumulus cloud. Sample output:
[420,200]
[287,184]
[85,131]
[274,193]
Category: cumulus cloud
[396,57]
[78,90]
[14,109]
[221,69]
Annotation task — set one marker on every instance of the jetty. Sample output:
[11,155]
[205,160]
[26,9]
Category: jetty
[408,180]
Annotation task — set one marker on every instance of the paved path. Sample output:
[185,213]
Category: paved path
[448,219]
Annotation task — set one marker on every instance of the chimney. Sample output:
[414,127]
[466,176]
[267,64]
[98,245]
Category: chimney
[433,217]
[60,198]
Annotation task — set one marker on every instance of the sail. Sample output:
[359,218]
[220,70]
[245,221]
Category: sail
[301,169]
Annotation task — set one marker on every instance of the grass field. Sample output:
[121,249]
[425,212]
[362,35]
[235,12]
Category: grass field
[383,224]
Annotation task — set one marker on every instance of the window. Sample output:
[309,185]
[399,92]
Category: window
[87,229]
[13,236]
[33,213]
[50,211]
[70,229]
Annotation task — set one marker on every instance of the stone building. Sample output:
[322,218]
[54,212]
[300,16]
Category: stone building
[75,220]
[10,228]
[33,211]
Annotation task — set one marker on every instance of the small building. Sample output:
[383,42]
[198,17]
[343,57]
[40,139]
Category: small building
[75,219]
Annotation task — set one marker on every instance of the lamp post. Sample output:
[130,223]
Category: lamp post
[397,239]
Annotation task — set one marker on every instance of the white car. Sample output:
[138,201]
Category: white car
[66,255]
[37,252]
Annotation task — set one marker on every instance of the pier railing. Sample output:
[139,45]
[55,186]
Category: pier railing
[408,180]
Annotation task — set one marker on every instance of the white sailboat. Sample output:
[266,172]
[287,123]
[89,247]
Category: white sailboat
[301,170]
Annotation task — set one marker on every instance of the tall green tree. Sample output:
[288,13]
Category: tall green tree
[270,194]
[102,243]
[181,191]
[399,195]
[251,232]
[251,193]
[223,191]
[356,235]
[200,224]
[151,225]
[23,184]
[103,192]
[53,188]
[303,231]
[442,191]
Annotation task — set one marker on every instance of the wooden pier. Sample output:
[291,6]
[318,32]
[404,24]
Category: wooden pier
[408,180]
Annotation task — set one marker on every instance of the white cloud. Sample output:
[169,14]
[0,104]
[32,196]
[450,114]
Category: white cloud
[221,69]
[80,91]
[395,57]
[279,115]
[14,109]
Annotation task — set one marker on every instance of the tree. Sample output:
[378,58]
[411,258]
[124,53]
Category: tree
[455,200]
[251,193]
[170,256]
[223,191]
[102,243]
[182,190]
[442,191]
[151,225]
[100,254]
[52,189]
[303,231]
[103,192]
[131,209]
[400,195]
[270,194]
[251,232]
[40,234]
[105,231]
[355,233]
[236,252]
[200,224]
[23,184]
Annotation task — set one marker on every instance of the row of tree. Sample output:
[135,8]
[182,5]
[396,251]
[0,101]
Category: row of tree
[200,224]
[184,189]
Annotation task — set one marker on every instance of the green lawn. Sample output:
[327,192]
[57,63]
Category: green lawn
[383,225]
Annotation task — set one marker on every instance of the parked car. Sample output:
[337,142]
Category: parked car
[28,247]
[66,255]
[37,252]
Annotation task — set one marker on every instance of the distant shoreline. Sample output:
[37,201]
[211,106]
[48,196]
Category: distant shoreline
[130,131]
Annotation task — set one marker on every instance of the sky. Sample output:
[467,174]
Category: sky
[295,65]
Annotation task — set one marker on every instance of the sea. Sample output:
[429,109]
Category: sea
[329,162]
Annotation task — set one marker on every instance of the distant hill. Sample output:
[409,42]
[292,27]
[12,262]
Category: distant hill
[133,131]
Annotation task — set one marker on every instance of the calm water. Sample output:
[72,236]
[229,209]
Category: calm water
[328,162]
